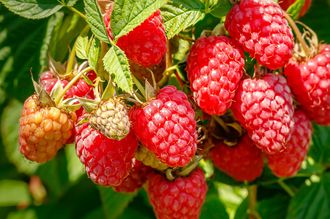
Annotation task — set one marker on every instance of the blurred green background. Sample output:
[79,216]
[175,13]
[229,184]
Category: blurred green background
[60,188]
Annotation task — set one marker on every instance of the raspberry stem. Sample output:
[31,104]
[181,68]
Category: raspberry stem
[299,36]
[166,75]
[76,12]
[252,197]
[70,84]
[285,187]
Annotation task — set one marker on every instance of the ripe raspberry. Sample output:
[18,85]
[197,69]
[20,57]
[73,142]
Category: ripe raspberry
[264,107]
[144,45]
[285,4]
[137,177]
[214,66]
[149,159]
[166,126]
[310,82]
[111,119]
[262,30]
[288,162]
[107,161]
[79,89]
[43,130]
[243,161]
[179,199]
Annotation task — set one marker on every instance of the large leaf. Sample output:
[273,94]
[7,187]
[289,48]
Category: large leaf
[274,207]
[181,14]
[74,166]
[13,193]
[95,20]
[116,64]
[320,149]
[33,9]
[312,201]
[127,14]
[222,8]
[66,30]
[213,202]
[114,203]
[9,135]
[20,45]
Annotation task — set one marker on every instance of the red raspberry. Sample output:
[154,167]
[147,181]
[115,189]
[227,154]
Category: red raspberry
[79,89]
[146,44]
[288,162]
[136,178]
[215,66]
[310,82]
[243,161]
[43,130]
[166,126]
[107,161]
[262,30]
[179,199]
[264,107]
[285,4]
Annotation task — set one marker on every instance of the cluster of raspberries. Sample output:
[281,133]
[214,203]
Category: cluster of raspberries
[125,146]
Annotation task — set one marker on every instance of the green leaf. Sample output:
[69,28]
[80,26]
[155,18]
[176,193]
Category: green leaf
[32,9]
[320,149]
[21,40]
[95,20]
[82,46]
[44,52]
[114,203]
[274,207]
[179,15]
[312,201]
[74,166]
[241,212]
[222,8]
[94,53]
[116,64]
[9,134]
[13,193]
[128,14]
[294,9]
[26,214]
[211,203]
[65,33]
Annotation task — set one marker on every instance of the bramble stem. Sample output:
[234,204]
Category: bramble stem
[286,187]
[77,12]
[252,197]
[139,86]
[166,75]
[70,84]
[298,35]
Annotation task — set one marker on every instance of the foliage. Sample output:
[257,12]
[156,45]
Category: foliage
[32,30]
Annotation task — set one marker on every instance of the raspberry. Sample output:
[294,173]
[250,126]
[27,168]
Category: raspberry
[310,82]
[288,162]
[79,89]
[264,107]
[43,130]
[243,161]
[111,119]
[214,66]
[145,44]
[166,126]
[262,30]
[179,199]
[136,178]
[107,161]
[149,159]
[285,4]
